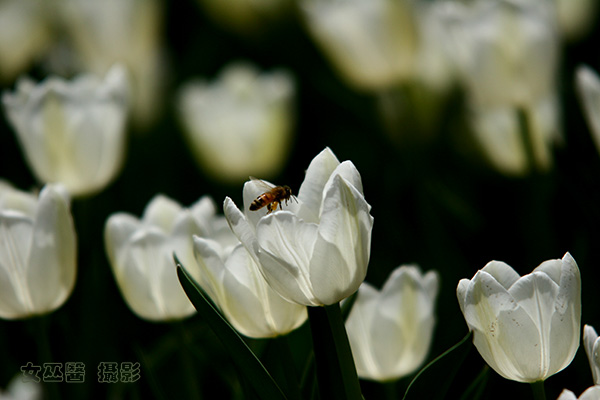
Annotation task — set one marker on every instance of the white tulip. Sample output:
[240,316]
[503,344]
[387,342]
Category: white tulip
[315,251]
[500,135]
[591,343]
[141,256]
[506,54]
[229,275]
[588,86]
[240,124]
[526,328]
[591,393]
[102,33]
[575,18]
[37,251]
[390,331]
[72,133]
[506,51]
[232,279]
[372,43]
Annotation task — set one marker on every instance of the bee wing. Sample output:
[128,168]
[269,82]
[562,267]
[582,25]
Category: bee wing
[262,184]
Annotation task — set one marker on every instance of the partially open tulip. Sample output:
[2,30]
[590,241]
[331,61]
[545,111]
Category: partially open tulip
[141,256]
[526,328]
[72,132]
[315,251]
[390,331]
[37,251]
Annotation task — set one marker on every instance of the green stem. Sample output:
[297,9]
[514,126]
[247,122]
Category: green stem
[336,372]
[538,390]
[524,120]
[391,390]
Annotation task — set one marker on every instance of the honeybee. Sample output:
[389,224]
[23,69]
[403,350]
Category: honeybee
[272,197]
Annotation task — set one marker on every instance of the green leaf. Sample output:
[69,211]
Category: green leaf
[336,372]
[253,370]
[446,365]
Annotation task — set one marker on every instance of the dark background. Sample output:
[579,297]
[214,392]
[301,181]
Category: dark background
[434,203]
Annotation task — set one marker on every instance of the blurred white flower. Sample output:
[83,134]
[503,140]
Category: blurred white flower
[591,393]
[230,276]
[499,133]
[588,86]
[591,343]
[526,328]
[241,124]
[24,35]
[506,54]
[72,132]
[37,251]
[141,256]
[575,18]
[314,252]
[106,32]
[372,43]
[17,389]
[245,16]
[390,331]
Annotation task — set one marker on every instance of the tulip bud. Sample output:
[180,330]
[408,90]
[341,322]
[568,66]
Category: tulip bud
[390,331]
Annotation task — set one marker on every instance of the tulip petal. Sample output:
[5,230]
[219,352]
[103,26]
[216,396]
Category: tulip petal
[211,268]
[319,170]
[241,227]
[341,253]
[588,86]
[119,228]
[148,280]
[502,272]
[286,245]
[349,173]
[591,393]
[161,212]
[592,349]
[358,325]
[567,395]
[15,241]
[180,242]
[52,261]
[240,302]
